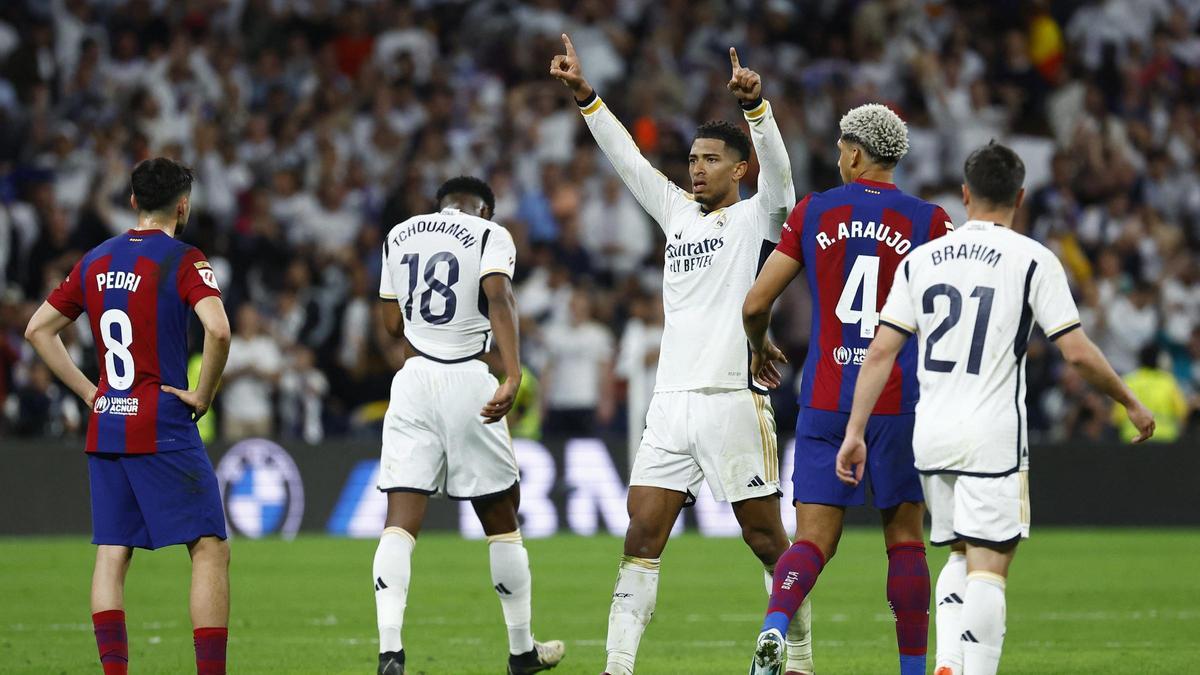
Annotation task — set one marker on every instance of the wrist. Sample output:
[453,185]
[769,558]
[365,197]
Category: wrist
[750,103]
[584,95]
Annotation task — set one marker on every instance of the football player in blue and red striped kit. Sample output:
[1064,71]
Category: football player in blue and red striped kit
[849,241]
[152,484]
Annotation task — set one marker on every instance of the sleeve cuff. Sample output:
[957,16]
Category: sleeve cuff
[790,252]
[755,109]
[1062,330]
[487,273]
[590,104]
[201,292]
[896,325]
[67,309]
[385,296]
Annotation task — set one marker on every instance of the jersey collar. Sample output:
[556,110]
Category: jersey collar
[977,225]
[141,233]
[878,185]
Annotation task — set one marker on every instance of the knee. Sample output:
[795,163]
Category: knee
[211,550]
[114,555]
[645,537]
[764,542]
[826,544]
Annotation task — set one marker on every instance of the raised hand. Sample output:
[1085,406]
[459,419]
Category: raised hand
[744,83]
[567,70]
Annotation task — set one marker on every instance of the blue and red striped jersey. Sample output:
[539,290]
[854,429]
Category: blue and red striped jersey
[850,240]
[138,289]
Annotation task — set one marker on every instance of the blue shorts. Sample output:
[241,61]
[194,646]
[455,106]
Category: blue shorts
[151,501]
[890,469]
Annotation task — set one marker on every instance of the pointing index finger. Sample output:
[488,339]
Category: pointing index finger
[570,47]
[733,58]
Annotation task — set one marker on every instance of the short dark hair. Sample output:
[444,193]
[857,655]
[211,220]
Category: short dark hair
[468,185]
[1148,356]
[994,173]
[158,182]
[734,137]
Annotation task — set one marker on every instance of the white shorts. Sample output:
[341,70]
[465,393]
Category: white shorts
[977,509]
[726,438]
[434,439]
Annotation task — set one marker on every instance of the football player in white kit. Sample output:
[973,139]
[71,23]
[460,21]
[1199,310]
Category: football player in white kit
[970,299]
[446,286]
[707,421]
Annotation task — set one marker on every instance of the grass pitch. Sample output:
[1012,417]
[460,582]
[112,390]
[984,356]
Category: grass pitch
[1079,601]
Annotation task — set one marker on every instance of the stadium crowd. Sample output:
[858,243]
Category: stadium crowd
[313,126]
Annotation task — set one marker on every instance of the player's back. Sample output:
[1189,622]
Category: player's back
[137,290]
[850,240]
[972,299]
[434,266]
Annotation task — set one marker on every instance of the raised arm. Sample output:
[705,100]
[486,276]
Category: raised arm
[776,192]
[652,189]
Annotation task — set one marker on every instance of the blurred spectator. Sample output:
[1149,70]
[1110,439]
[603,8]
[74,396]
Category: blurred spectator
[578,376]
[1160,392]
[1127,323]
[251,373]
[525,418]
[302,390]
[42,407]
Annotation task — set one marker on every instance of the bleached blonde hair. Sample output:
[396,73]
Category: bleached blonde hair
[878,129]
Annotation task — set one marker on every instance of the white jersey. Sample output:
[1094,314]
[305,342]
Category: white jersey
[711,257]
[433,266]
[971,298]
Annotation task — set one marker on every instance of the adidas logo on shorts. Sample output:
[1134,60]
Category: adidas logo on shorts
[756,482]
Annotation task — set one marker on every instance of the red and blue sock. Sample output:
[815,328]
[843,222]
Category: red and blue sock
[210,650]
[112,641]
[796,572]
[908,594]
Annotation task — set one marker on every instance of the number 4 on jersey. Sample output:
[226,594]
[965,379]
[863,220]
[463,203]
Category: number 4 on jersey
[864,275]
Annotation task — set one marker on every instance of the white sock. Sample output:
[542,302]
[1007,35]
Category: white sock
[632,608]
[514,585]
[983,623]
[392,569]
[799,634]
[951,591]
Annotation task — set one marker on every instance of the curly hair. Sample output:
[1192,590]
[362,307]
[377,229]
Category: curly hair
[878,130]
[734,137]
[468,185]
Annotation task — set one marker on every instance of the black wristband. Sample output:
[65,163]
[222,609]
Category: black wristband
[752,105]
[587,101]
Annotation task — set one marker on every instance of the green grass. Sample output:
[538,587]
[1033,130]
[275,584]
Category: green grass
[1079,601]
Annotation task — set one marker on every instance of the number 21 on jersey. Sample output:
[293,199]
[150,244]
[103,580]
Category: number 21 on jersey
[864,275]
